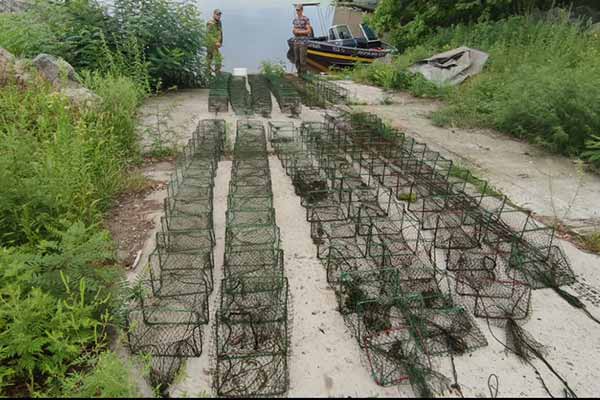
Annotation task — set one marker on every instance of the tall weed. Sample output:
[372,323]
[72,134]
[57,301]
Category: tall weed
[107,377]
[60,166]
[58,161]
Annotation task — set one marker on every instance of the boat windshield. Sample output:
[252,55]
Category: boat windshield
[369,33]
[340,32]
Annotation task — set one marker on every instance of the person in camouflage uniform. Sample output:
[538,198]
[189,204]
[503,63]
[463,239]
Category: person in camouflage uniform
[214,30]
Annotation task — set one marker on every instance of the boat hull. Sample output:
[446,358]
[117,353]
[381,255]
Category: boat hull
[323,55]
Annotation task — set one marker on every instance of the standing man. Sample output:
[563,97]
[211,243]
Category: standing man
[214,30]
[302,29]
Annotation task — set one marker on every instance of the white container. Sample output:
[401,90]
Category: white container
[240,72]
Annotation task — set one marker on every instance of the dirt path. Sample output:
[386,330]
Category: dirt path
[549,185]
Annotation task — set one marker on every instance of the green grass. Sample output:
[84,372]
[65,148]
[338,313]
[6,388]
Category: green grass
[408,197]
[107,377]
[60,168]
[541,83]
[482,186]
[591,242]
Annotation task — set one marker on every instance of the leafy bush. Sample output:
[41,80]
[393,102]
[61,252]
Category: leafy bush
[60,167]
[57,301]
[61,162]
[593,150]
[108,377]
[409,21]
[272,70]
[542,83]
[164,37]
[394,76]
[26,35]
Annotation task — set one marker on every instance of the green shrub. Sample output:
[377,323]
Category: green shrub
[60,167]
[396,76]
[165,38]
[171,34]
[593,150]
[27,35]
[42,335]
[272,70]
[108,377]
[542,83]
[408,22]
[59,161]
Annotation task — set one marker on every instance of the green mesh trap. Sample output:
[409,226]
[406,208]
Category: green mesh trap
[247,203]
[181,337]
[218,96]
[179,241]
[171,299]
[239,96]
[356,287]
[286,94]
[251,329]
[317,91]
[254,375]
[260,95]
[241,218]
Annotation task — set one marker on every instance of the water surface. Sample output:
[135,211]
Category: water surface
[258,30]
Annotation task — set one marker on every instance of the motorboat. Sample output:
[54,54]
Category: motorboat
[340,48]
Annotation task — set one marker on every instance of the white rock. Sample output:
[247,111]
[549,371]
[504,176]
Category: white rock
[7,62]
[81,96]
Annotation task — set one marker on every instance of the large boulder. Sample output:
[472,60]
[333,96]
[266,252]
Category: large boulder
[13,6]
[81,96]
[56,71]
[7,66]
[63,78]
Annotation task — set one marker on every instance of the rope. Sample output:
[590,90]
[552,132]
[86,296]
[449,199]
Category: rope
[493,385]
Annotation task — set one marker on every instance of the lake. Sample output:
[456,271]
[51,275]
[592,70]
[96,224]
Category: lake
[258,30]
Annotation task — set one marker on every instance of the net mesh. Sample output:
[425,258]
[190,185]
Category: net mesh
[170,303]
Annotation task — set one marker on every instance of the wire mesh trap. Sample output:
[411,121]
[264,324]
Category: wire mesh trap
[260,95]
[286,94]
[395,357]
[171,299]
[316,91]
[253,375]
[495,253]
[164,370]
[181,339]
[251,329]
[241,102]
[218,97]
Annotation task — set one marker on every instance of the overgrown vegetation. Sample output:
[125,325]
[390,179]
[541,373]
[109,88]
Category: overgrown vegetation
[61,165]
[60,288]
[272,69]
[167,36]
[541,83]
[591,242]
[408,22]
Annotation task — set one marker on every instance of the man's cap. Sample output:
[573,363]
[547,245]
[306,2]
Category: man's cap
[299,7]
[217,12]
